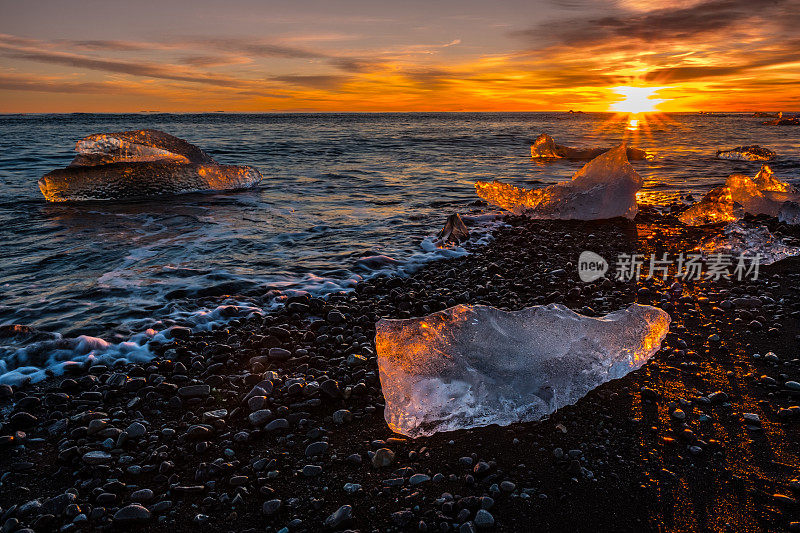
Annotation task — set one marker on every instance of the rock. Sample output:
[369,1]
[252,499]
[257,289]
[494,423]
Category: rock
[312,470]
[507,486]
[483,519]
[131,515]
[22,419]
[678,414]
[279,354]
[335,317]
[142,496]
[317,448]
[417,479]
[260,417]
[340,516]
[57,504]
[342,416]
[752,418]
[212,416]
[352,488]
[382,458]
[454,230]
[197,432]
[278,423]
[96,458]
[194,391]
[136,430]
[271,507]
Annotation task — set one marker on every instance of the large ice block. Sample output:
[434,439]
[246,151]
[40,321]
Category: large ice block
[764,194]
[140,164]
[470,366]
[605,187]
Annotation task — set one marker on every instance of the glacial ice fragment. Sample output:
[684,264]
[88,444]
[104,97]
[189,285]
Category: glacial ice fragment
[545,147]
[470,366]
[747,153]
[765,194]
[746,240]
[454,230]
[604,188]
[140,164]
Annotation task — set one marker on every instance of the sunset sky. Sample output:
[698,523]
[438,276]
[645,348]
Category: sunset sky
[432,55]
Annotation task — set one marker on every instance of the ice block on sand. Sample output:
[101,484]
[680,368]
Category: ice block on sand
[762,195]
[470,366]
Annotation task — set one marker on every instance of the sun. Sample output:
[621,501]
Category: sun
[637,99]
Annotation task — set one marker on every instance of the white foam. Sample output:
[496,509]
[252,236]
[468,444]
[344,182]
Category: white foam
[36,361]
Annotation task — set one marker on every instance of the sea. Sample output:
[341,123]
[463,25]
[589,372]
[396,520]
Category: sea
[100,280]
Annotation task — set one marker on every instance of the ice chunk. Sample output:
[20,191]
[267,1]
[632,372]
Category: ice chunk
[454,230]
[470,366]
[745,239]
[140,164]
[790,213]
[765,180]
[545,147]
[604,188]
[747,153]
[765,194]
[137,145]
[716,207]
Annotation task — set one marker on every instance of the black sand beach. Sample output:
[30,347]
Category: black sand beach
[703,438]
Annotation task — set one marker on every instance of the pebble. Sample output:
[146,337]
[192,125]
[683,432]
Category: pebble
[271,507]
[96,458]
[317,448]
[131,515]
[383,457]
[340,516]
[312,470]
[417,479]
[483,519]
[194,391]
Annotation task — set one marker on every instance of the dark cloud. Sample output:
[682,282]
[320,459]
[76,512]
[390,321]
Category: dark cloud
[110,46]
[213,60]
[672,24]
[149,70]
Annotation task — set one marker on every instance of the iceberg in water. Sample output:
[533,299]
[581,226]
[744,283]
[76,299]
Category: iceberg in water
[470,366]
[140,164]
[747,153]
[545,147]
[604,188]
[765,194]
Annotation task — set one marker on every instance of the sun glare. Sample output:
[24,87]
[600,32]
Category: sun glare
[636,100]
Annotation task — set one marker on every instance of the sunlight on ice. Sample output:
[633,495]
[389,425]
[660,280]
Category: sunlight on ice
[605,187]
[470,366]
[140,164]
[764,194]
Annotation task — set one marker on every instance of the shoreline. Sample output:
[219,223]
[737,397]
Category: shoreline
[626,460]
